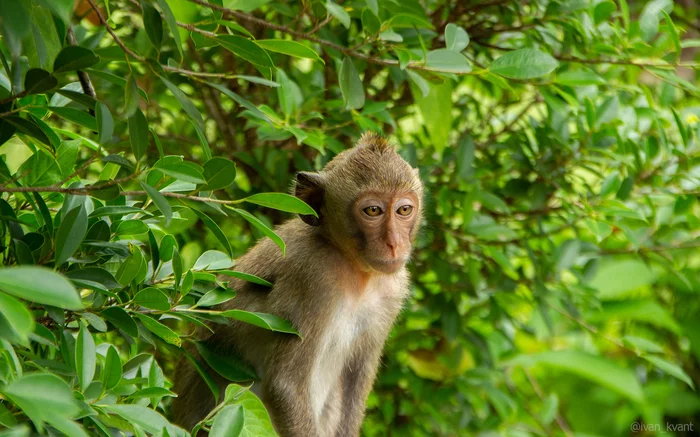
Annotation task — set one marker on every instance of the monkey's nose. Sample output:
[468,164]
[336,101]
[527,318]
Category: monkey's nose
[392,248]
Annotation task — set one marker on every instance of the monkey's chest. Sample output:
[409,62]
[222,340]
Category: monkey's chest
[340,341]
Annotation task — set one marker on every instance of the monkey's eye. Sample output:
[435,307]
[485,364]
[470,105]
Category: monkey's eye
[373,211]
[405,210]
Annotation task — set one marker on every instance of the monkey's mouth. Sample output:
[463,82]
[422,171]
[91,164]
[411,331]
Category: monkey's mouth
[387,265]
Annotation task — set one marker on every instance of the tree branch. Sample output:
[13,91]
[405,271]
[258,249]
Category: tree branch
[301,35]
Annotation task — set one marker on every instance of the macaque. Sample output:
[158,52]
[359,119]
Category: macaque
[341,284]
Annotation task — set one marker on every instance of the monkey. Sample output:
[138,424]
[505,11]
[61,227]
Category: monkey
[341,283]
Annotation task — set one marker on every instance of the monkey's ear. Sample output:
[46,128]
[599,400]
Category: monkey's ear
[309,188]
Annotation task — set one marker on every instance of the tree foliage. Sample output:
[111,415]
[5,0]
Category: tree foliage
[145,145]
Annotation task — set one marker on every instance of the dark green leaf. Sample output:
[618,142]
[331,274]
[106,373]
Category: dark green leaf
[214,228]
[70,234]
[219,173]
[85,357]
[153,24]
[185,102]
[266,321]
[112,371]
[105,123]
[289,47]
[138,134]
[122,320]
[152,298]
[74,58]
[38,81]
[246,49]
[282,202]
[160,201]
[81,118]
[261,227]
[246,277]
[172,25]
[159,329]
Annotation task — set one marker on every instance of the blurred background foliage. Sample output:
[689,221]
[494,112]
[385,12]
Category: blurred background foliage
[556,279]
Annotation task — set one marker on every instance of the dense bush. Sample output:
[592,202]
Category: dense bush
[147,144]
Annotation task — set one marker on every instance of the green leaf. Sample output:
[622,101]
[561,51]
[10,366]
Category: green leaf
[230,366]
[167,245]
[30,128]
[219,173]
[131,96]
[289,47]
[183,170]
[153,24]
[670,368]
[579,78]
[524,64]
[159,329]
[42,396]
[152,298]
[85,357]
[351,85]
[112,211]
[448,61]
[78,97]
[338,12]
[456,38]
[615,278]
[673,33]
[185,102]
[216,297]
[262,320]
[257,420]
[160,201]
[74,58]
[591,367]
[138,134]
[151,421]
[261,227]
[567,253]
[18,316]
[246,49]
[214,228]
[122,320]
[70,234]
[228,422]
[81,118]
[639,310]
[172,25]
[650,16]
[105,122]
[282,202]
[131,227]
[94,320]
[246,277]
[370,22]
[38,81]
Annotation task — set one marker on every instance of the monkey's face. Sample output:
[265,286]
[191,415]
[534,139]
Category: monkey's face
[384,225]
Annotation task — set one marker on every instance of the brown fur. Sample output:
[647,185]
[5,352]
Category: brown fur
[326,273]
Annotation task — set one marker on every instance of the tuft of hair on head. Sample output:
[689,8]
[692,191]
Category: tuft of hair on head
[375,142]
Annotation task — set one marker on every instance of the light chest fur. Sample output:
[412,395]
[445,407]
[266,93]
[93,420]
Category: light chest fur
[354,314]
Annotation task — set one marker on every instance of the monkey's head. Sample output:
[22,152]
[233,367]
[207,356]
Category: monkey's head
[369,204]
